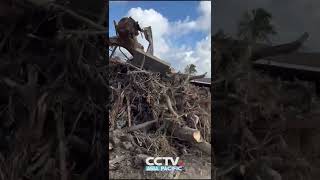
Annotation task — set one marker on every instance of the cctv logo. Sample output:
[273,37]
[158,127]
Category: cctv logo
[149,161]
[155,164]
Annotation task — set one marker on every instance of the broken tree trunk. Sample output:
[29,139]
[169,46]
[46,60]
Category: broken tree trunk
[193,136]
[184,133]
[188,134]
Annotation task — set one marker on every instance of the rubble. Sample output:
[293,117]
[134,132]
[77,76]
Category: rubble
[155,111]
[159,112]
[154,100]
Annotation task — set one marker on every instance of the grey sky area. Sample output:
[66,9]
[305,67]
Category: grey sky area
[291,18]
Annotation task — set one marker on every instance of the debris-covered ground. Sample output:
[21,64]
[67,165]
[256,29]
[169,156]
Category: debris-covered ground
[155,115]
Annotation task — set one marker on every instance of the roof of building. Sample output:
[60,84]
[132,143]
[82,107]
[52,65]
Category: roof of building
[206,81]
[298,58]
[298,61]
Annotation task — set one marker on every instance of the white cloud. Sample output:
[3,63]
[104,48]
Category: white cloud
[200,56]
[163,32]
[202,23]
[203,53]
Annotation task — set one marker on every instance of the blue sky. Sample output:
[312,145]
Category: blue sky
[181,29]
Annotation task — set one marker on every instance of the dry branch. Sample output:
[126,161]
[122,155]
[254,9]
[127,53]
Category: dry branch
[129,112]
[169,104]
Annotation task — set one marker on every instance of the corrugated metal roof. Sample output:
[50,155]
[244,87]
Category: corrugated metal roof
[202,81]
[298,58]
[304,66]
[298,61]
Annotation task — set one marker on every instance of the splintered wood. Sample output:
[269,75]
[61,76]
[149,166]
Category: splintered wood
[166,104]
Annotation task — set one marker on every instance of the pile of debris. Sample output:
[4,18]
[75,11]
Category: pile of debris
[156,115]
[154,112]
[53,90]
[265,127]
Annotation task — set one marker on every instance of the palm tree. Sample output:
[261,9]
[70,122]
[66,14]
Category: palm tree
[190,69]
[256,25]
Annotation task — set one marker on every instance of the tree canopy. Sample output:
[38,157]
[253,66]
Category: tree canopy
[256,25]
[190,69]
